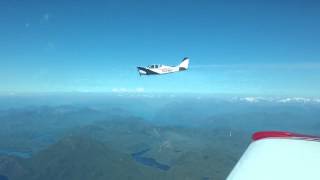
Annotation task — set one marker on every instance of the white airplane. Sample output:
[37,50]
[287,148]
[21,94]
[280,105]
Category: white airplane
[157,69]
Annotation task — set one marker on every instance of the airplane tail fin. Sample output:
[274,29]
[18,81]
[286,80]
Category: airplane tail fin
[184,64]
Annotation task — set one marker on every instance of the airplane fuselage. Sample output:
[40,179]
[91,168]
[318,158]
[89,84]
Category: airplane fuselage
[157,71]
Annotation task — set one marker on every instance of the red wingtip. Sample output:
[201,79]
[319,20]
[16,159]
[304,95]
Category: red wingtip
[282,134]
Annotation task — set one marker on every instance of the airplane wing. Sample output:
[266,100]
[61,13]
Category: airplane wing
[278,156]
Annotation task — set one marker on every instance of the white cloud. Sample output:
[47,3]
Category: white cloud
[126,90]
[296,99]
[284,100]
[117,90]
[250,99]
[253,99]
[140,89]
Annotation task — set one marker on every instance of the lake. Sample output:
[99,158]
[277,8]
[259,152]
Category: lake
[147,161]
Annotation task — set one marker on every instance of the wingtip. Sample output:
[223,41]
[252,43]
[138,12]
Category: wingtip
[282,134]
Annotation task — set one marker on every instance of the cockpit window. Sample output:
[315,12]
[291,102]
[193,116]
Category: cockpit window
[154,66]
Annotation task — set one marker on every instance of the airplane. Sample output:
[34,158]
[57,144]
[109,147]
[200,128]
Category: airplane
[157,69]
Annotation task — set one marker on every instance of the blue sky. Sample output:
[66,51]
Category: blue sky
[248,47]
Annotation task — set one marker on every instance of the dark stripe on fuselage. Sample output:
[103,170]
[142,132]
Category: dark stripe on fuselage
[148,71]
